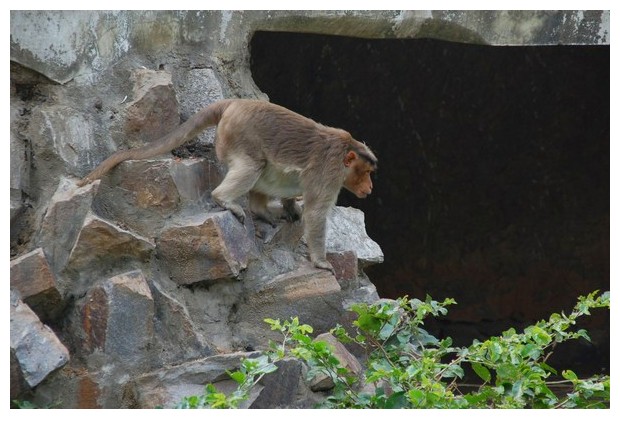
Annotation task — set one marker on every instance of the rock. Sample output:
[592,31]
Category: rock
[100,244]
[346,267]
[32,277]
[346,231]
[37,349]
[206,247]
[154,110]
[142,195]
[74,388]
[62,133]
[167,386]
[177,339]
[19,387]
[194,178]
[346,359]
[311,294]
[364,291]
[67,208]
[285,388]
[117,318]
[20,154]
[17,206]
[201,89]
[322,382]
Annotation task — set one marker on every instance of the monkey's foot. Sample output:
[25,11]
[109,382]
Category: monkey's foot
[324,265]
[265,216]
[236,210]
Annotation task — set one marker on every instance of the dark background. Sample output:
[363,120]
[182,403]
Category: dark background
[493,183]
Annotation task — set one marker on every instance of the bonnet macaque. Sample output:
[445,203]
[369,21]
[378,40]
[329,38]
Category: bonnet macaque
[271,151]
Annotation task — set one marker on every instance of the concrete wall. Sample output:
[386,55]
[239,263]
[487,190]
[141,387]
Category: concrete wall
[65,45]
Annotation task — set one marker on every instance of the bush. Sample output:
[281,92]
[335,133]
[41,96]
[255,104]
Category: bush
[409,368]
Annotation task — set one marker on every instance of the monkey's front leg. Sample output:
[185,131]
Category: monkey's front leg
[315,219]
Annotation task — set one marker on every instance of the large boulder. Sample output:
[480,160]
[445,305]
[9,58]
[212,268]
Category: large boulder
[166,387]
[68,208]
[37,349]
[346,232]
[102,245]
[311,294]
[116,318]
[143,194]
[32,277]
[154,110]
[205,247]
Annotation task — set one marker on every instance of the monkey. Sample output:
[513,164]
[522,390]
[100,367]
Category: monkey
[272,152]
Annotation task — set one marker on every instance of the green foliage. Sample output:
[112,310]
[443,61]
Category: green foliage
[27,405]
[409,368]
[23,405]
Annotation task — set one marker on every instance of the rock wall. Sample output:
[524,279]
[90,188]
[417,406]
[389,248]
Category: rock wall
[136,290]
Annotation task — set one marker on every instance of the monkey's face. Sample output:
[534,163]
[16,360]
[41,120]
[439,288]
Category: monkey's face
[358,178]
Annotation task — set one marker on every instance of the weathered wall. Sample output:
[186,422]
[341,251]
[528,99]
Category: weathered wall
[80,45]
[145,285]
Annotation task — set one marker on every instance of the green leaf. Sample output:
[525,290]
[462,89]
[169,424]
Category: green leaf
[546,367]
[584,334]
[570,375]
[387,330]
[507,372]
[238,376]
[369,323]
[539,335]
[453,371]
[416,397]
[274,324]
[531,351]
[397,400]
[495,351]
[482,371]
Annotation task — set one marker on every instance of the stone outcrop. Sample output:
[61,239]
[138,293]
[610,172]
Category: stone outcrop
[310,294]
[139,271]
[32,277]
[345,232]
[168,386]
[206,247]
[154,110]
[36,348]
[117,318]
[322,382]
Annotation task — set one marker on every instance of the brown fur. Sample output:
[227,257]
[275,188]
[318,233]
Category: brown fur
[271,151]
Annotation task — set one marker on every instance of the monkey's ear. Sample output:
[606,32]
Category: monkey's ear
[349,158]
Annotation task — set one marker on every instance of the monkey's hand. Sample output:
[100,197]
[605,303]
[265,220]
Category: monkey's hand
[325,265]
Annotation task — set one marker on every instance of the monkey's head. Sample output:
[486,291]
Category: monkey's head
[360,164]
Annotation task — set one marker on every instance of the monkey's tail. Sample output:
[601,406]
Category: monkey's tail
[205,118]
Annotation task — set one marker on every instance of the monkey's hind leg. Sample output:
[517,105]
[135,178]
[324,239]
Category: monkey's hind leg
[292,211]
[241,177]
[258,206]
